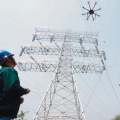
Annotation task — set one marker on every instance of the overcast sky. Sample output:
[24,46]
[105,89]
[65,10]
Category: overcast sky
[17,21]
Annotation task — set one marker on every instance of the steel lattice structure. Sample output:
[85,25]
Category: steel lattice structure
[62,100]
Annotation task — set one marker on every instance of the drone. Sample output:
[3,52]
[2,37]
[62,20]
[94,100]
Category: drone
[91,12]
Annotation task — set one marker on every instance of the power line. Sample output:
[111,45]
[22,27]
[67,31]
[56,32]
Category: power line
[118,65]
[32,79]
[28,83]
[96,95]
[37,92]
[112,87]
[93,111]
[93,92]
[108,95]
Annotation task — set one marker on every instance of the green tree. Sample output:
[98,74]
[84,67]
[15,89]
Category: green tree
[117,117]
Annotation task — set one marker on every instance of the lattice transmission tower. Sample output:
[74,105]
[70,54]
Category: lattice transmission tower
[61,100]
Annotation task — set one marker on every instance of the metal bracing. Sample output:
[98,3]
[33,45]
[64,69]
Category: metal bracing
[51,66]
[61,100]
[60,37]
[52,32]
[53,50]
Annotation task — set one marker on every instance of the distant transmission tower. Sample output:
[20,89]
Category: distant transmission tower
[62,100]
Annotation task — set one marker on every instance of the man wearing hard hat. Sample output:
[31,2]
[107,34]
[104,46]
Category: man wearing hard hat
[10,89]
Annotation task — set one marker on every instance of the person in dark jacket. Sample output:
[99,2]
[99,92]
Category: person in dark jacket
[10,89]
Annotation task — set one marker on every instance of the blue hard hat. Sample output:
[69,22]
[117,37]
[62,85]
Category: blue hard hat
[4,54]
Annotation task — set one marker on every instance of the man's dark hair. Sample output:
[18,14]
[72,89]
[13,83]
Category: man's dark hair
[3,62]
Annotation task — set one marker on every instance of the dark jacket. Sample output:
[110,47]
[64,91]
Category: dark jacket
[10,92]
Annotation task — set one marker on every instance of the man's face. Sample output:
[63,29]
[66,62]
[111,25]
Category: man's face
[12,60]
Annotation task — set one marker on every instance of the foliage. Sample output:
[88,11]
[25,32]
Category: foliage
[21,115]
[117,117]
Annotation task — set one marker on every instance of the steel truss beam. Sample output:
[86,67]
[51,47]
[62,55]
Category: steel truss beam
[50,31]
[60,38]
[50,66]
[53,50]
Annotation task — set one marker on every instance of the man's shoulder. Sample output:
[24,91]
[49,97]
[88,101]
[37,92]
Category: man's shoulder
[7,69]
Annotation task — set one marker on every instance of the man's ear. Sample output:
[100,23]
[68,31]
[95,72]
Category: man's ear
[8,59]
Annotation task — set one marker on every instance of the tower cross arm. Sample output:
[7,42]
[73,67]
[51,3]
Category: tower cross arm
[83,52]
[81,67]
[38,66]
[59,37]
[51,65]
[51,31]
[55,50]
[40,49]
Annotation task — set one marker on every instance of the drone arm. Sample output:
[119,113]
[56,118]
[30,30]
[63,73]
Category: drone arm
[88,16]
[92,17]
[94,6]
[85,13]
[97,14]
[97,9]
[89,5]
[85,8]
